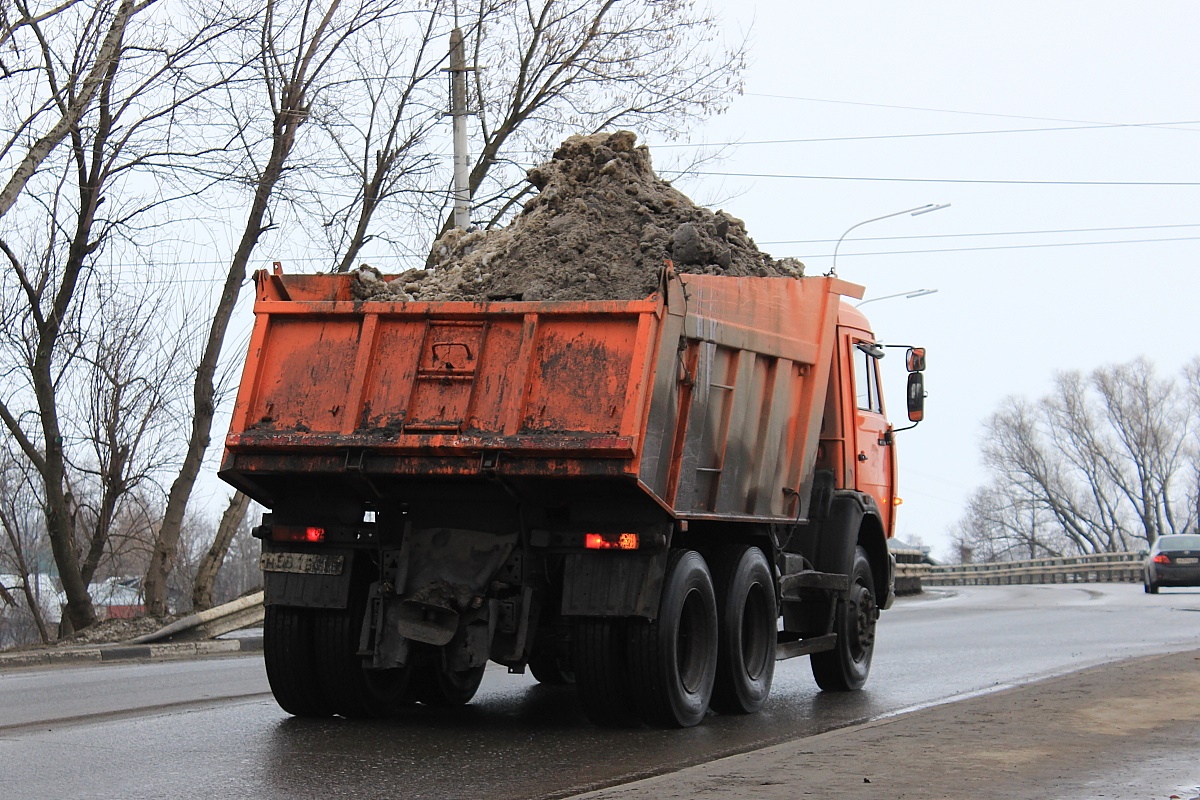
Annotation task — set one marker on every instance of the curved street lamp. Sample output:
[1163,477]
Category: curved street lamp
[911,293]
[916,212]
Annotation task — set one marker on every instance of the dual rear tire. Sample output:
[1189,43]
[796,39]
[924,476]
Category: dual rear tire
[314,670]
[748,632]
[659,672]
[713,643]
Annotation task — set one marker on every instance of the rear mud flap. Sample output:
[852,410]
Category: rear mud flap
[438,595]
[613,584]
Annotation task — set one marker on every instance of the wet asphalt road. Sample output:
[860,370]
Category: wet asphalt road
[519,739]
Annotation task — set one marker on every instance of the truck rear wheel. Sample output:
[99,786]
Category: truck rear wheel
[352,690]
[434,685]
[289,656]
[550,668]
[747,631]
[598,661]
[845,668]
[673,660]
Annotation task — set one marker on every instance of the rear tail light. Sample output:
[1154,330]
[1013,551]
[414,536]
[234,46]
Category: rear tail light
[1162,558]
[297,533]
[610,541]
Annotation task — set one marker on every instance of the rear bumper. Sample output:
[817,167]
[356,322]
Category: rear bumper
[1172,575]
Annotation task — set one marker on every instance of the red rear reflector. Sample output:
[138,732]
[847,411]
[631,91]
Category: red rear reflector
[1162,558]
[610,541]
[296,533]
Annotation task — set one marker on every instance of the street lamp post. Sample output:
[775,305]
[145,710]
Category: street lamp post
[911,293]
[916,212]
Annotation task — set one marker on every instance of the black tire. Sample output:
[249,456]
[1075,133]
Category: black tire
[673,660]
[434,685]
[845,668]
[598,662]
[290,660]
[1152,588]
[550,668]
[352,690]
[747,631]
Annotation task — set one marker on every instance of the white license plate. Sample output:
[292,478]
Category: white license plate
[302,563]
[1186,560]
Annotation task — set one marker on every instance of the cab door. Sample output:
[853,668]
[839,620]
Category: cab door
[874,452]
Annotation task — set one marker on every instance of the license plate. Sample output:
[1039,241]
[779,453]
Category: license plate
[302,563]
[1186,560]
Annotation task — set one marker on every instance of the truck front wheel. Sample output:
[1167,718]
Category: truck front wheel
[748,631]
[673,660]
[845,668]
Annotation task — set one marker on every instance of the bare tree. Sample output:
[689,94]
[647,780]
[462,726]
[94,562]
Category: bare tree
[1001,523]
[239,572]
[68,83]
[18,519]
[541,70]
[381,121]
[1105,463]
[66,302]
[210,564]
[550,67]
[296,44]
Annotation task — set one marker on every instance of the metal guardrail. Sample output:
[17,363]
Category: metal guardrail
[1097,568]
[909,571]
[243,612]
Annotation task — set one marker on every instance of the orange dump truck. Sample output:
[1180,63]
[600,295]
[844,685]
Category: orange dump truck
[654,500]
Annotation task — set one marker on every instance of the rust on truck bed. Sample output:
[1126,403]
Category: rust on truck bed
[701,396]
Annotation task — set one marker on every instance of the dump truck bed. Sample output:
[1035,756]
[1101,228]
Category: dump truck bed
[706,397]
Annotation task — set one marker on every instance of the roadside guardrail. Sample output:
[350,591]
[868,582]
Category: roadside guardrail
[243,612]
[1096,568]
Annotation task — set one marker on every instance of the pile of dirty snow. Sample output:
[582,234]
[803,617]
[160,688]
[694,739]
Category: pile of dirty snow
[600,228]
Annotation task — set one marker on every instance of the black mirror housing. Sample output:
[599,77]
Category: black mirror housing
[916,397]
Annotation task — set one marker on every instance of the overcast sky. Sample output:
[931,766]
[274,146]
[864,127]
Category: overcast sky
[1064,134]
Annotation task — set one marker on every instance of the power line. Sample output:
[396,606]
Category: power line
[1098,126]
[967,113]
[996,233]
[1010,247]
[940,180]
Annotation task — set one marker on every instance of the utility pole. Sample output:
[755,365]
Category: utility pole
[458,112]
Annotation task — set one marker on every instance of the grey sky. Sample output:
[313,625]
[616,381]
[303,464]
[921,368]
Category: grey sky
[1120,85]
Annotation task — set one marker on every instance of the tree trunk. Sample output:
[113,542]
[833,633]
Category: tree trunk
[210,565]
[290,115]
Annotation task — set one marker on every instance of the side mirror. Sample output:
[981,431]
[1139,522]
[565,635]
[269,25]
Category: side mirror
[915,359]
[916,397]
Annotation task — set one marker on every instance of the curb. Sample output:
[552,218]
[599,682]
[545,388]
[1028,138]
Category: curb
[130,652]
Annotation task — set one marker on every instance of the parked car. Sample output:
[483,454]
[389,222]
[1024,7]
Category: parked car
[1173,561]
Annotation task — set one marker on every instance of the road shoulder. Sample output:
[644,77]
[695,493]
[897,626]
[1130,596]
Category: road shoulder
[1120,731]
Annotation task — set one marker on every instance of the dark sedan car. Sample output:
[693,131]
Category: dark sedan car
[1173,561]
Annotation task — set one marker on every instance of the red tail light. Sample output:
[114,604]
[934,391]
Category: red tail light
[610,541]
[297,533]
[1162,558]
